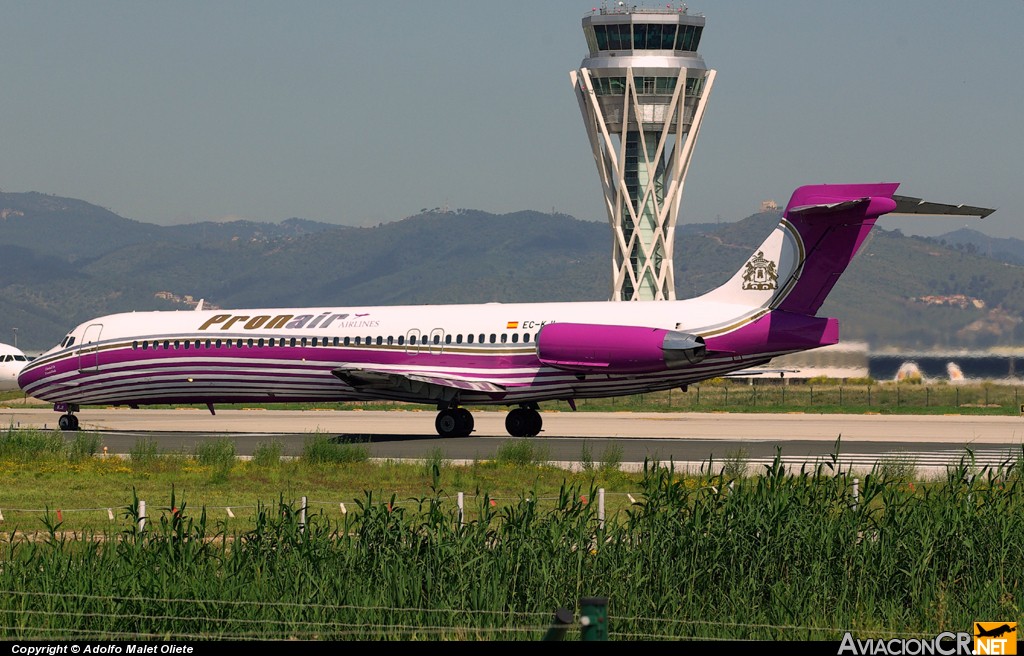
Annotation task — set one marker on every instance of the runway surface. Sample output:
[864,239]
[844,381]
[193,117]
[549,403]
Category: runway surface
[687,439]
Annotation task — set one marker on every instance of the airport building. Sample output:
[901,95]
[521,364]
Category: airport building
[643,90]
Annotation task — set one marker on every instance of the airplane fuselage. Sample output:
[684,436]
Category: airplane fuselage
[290,354]
[12,361]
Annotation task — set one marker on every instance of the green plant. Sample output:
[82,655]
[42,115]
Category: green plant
[23,445]
[586,457]
[521,453]
[216,453]
[899,467]
[267,454]
[735,463]
[321,449]
[85,445]
[611,458]
[144,453]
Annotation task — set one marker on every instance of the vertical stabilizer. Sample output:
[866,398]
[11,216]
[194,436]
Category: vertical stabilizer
[801,261]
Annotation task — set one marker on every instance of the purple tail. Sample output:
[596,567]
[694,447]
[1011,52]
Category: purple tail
[800,262]
[832,221]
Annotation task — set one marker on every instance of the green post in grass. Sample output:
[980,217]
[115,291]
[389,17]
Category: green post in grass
[594,618]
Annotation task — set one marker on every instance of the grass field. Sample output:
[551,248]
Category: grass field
[332,546]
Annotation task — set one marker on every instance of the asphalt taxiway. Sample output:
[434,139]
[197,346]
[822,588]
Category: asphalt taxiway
[687,439]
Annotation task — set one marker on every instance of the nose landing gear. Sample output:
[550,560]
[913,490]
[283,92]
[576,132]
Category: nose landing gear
[68,421]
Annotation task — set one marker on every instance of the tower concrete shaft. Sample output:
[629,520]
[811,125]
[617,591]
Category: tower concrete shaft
[642,90]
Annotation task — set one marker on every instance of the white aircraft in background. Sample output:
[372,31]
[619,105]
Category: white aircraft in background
[453,356]
[12,361]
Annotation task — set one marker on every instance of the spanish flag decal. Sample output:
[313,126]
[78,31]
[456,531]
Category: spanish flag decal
[512,325]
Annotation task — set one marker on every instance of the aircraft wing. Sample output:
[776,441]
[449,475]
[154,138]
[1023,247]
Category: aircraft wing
[429,385]
[746,373]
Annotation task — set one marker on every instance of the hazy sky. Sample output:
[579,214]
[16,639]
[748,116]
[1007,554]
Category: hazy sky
[357,113]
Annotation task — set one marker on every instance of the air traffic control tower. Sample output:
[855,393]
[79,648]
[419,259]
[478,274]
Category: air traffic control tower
[643,90]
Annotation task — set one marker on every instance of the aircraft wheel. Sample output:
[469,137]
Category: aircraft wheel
[536,422]
[518,423]
[464,419]
[68,422]
[447,423]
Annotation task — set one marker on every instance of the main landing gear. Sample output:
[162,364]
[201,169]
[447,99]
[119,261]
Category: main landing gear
[454,422]
[68,421]
[524,421]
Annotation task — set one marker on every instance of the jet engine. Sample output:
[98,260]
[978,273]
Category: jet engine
[592,348]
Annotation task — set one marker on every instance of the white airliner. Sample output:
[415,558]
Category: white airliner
[453,356]
[12,361]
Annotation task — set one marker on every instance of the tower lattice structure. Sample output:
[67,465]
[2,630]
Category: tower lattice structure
[643,91]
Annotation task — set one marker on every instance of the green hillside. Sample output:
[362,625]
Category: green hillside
[64,261]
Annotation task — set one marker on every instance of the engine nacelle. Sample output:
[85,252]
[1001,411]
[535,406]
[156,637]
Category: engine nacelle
[593,348]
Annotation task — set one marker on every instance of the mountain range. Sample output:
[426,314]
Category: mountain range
[64,261]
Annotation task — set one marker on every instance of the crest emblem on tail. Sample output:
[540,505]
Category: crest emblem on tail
[761,274]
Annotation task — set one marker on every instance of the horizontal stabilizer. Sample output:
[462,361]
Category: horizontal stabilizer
[909,205]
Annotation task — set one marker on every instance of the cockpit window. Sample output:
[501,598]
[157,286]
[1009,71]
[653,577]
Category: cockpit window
[21,358]
[71,340]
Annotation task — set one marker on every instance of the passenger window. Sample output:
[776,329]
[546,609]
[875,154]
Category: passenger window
[447,339]
[186,344]
[437,339]
[458,339]
[217,343]
[167,344]
[391,340]
[260,343]
[482,338]
[504,337]
[145,346]
[337,341]
[493,338]
[348,341]
[526,338]
[401,340]
[515,338]
[380,340]
[469,338]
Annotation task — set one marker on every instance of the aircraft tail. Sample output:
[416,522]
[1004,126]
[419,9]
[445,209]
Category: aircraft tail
[821,230]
